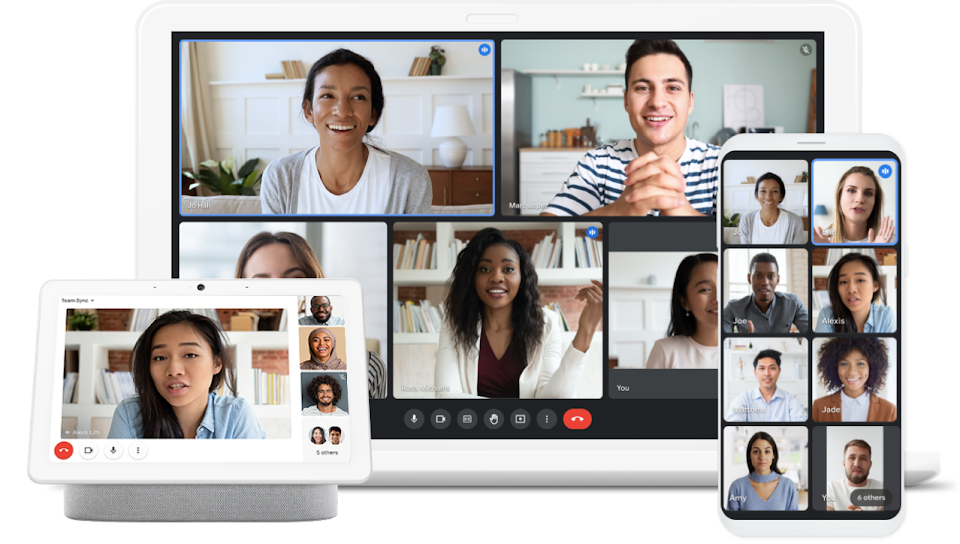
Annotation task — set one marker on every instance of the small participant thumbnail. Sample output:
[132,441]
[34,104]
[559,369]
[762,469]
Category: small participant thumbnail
[855,470]
[856,380]
[323,394]
[853,291]
[321,311]
[765,379]
[765,468]
[855,201]
[767,290]
[766,202]
[319,348]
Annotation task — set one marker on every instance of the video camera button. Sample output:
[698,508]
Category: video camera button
[577,419]
[89,450]
[440,419]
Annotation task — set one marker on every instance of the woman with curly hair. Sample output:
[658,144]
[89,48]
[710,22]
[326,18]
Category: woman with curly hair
[857,369]
[325,391]
[497,341]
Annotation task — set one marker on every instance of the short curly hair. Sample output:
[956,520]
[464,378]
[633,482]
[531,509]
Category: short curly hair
[324,379]
[833,350]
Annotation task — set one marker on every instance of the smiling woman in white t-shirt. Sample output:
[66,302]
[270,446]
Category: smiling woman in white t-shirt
[770,224]
[343,100]
[692,339]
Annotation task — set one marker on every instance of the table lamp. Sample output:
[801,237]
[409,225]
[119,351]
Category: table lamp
[450,122]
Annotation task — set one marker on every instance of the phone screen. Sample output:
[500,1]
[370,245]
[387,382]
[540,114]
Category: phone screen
[810,335]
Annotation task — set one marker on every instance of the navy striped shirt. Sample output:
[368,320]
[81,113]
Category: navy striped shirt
[597,181]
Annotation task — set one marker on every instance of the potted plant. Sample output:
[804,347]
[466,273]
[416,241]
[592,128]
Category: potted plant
[437,60]
[82,321]
[731,221]
[227,180]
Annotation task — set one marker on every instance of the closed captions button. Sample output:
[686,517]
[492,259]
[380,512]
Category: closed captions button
[577,419]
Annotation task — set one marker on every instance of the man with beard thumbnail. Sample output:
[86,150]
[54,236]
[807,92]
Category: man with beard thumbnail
[856,467]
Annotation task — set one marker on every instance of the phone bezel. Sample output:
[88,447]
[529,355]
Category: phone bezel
[808,143]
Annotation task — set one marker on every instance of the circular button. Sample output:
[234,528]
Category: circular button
[805,50]
[413,419]
[440,419]
[577,419]
[137,450]
[63,450]
[493,419]
[520,419]
[113,450]
[547,419]
[592,232]
[89,450]
[485,49]
[467,419]
[885,171]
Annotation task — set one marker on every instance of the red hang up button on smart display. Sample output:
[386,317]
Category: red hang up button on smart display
[577,419]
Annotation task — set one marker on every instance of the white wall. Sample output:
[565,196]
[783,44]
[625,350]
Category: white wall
[837,438]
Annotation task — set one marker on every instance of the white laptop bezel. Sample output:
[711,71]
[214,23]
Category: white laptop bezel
[440,462]
[43,469]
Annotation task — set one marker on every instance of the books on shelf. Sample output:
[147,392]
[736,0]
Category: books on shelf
[416,254]
[588,252]
[420,67]
[269,388]
[292,69]
[113,387]
[546,253]
[412,318]
[456,246]
[70,387]
[555,306]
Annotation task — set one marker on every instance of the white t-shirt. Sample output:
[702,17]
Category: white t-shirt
[681,352]
[369,195]
[776,234]
[312,410]
[840,491]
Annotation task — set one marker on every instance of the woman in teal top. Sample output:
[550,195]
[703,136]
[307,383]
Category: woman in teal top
[764,488]
[855,287]
[178,365]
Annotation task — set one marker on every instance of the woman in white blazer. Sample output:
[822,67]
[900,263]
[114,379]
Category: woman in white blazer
[497,341]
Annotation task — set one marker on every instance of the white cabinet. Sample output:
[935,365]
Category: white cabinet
[542,173]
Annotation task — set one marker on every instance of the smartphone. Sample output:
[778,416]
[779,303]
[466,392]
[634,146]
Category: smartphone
[811,335]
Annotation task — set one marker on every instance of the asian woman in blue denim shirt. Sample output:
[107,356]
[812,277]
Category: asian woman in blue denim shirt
[178,364]
[855,287]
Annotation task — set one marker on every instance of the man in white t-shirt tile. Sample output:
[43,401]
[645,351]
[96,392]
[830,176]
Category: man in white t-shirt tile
[856,467]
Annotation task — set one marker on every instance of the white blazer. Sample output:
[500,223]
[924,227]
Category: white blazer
[547,375]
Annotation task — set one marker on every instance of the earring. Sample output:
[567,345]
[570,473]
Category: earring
[688,313]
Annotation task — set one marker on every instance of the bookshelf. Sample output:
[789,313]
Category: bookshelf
[93,348]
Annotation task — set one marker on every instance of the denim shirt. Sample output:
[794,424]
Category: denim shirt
[225,417]
[881,319]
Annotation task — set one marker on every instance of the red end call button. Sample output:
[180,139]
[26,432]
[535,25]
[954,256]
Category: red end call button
[63,450]
[577,419]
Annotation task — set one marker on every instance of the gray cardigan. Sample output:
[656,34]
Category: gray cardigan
[794,227]
[411,191]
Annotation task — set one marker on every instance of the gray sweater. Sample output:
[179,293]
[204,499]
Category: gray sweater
[411,191]
[794,227]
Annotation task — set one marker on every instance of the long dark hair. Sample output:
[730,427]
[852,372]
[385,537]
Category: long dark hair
[465,310]
[157,419]
[835,349]
[841,313]
[323,436]
[682,322]
[773,444]
[345,56]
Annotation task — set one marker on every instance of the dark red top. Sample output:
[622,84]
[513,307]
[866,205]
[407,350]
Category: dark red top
[498,379]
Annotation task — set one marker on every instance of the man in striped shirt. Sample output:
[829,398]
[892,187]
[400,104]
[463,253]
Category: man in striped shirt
[661,172]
